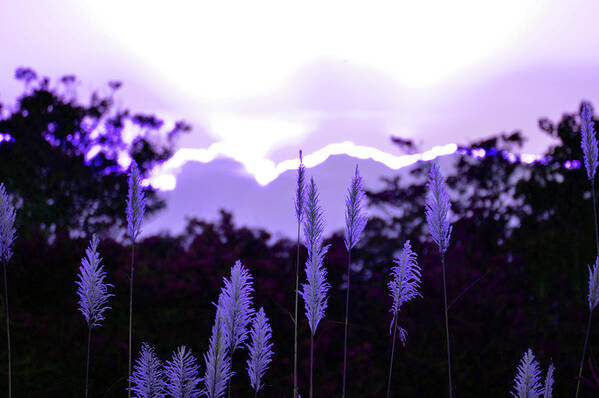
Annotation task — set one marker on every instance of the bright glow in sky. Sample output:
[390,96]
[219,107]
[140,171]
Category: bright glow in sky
[222,51]
[259,80]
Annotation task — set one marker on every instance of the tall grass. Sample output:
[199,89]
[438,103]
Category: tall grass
[588,143]
[403,287]
[315,290]
[355,221]
[437,207]
[299,213]
[148,375]
[93,294]
[7,237]
[236,306]
[548,389]
[593,300]
[136,205]
[260,349]
[217,359]
[527,383]
[181,374]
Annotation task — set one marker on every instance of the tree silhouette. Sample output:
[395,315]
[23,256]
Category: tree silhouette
[59,156]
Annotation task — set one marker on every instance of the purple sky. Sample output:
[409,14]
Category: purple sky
[259,80]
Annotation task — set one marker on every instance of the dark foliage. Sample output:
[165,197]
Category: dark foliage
[44,164]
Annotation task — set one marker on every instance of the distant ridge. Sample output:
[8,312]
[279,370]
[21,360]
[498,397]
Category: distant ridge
[204,188]
[259,192]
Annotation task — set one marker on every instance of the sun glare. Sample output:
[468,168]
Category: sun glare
[223,51]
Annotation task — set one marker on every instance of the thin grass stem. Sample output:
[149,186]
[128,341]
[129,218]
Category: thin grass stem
[584,349]
[346,321]
[595,214]
[131,312]
[392,354]
[466,289]
[586,338]
[89,337]
[229,381]
[295,391]
[7,331]
[311,361]
[446,326]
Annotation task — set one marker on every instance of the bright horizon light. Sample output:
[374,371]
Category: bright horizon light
[225,51]
[264,171]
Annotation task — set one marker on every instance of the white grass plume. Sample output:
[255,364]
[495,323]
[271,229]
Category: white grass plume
[527,383]
[403,287]
[404,284]
[181,374]
[217,359]
[7,236]
[148,376]
[260,349]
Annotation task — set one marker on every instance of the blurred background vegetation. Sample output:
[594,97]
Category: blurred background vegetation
[517,264]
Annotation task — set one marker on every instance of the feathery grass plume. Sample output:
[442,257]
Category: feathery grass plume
[91,288]
[355,221]
[148,376]
[528,379]
[299,213]
[403,287]
[437,207]
[404,284]
[136,206]
[236,302]
[181,374]
[314,292]
[588,142]
[93,294]
[7,236]
[260,349]
[7,222]
[217,359]
[299,194]
[136,202]
[548,388]
[593,300]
